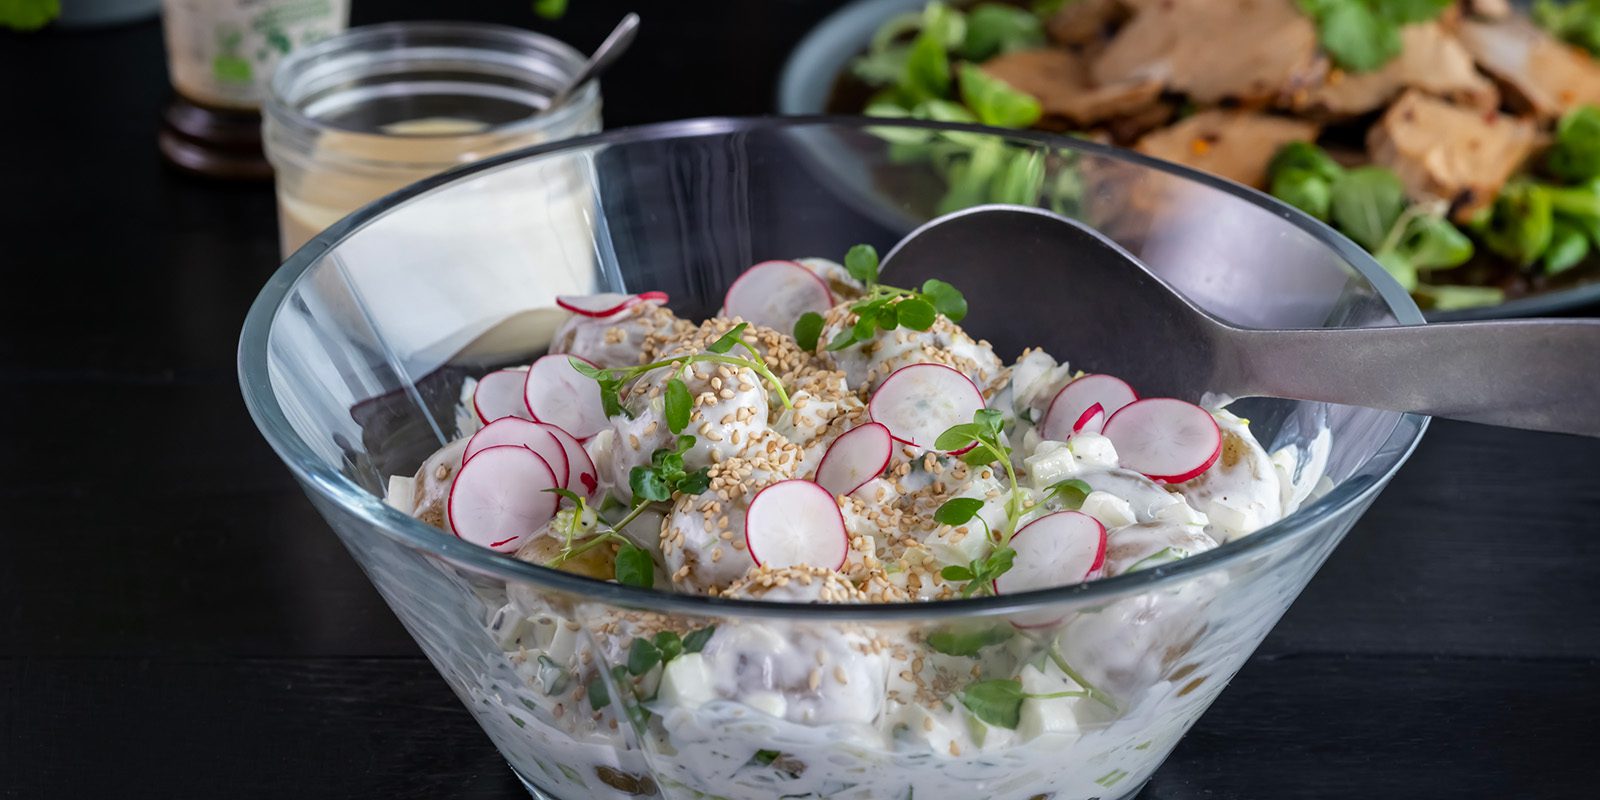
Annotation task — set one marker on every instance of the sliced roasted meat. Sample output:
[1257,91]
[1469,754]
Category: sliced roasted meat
[1541,73]
[1444,152]
[1430,59]
[1063,87]
[1251,51]
[1237,145]
[1489,9]
[1085,22]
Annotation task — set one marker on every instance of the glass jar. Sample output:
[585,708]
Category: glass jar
[362,114]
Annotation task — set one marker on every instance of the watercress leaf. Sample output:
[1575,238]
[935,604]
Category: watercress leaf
[1568,247]
[1356,37]
[957,437]
[1520,223]
[861,262]
[1305,156]
[588,370]
[806,330]
[696,640]
[993,28]
[610,403]
[927,70]
[695,482]
[677,404]
[967,641]
[980,456]
[726,341]
[842,339]
[996,564]
[670,645]
[642,656]
[1071,492]
[916,313]
[887,316]
[944,22]
[599,695]
[1365,204]
[866,326]
[997,702]
[1431,242]
[647,484]
[995,101]
[946,299]
[955,572]
[1304,190]
[1576,154]
[958,510]
[989,421]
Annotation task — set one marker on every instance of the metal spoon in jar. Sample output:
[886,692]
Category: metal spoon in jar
[616,43]
[1107,305]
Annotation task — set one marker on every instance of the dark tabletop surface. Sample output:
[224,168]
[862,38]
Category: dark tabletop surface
[176,621]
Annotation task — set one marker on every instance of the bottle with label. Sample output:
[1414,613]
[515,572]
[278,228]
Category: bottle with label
[221,55]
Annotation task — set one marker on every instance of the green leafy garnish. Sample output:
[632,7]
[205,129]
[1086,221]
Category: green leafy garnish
[677,404]
[634,566]
[1303,174]
[550,9]
[696,640]
[1165,555]
[726,341]
[957,641]
[1365,204]
[670,645]
[926,75]
[980,574]
[999,701]
[614,381]
[994,101]
[1520,223]
[599,696]
[806,330]
[1576,155]
[958,511]
[993,29]
[1363,35]
[643,656]
[765,757]
[887,307]
[980,445]
[1569,246]
[1070,493]
[1577,22]
[28,15]
[666,474]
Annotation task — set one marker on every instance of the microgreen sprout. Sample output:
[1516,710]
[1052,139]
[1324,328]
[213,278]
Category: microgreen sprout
[999,701]
[613,382]
[884,307]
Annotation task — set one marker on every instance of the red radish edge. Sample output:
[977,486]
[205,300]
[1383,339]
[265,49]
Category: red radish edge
[570,401]
[870,435]
[494,396]
[1076,517]
[1111,392]
[1186,446]
[1093,420]
[729,301]
[522,475]
[522,433]
[582,476]
[605,304]
[900,379]
[810,507]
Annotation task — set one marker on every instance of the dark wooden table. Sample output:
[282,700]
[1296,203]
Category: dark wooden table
[176,621]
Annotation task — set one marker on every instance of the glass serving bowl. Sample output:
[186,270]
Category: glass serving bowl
[353,359]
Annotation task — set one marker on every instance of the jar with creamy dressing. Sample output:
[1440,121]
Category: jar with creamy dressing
[362,114]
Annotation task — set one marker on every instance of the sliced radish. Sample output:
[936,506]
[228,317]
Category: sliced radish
[582,477]
[500,497]
[522,433]
[560,395]
[1075,398]
[795,522]
[1168,440]
[1093,420]
[499,394]
[606,304]
[775,294]
[857,456]
[919,402]
[1057,549]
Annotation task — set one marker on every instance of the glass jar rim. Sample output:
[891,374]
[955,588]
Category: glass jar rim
[284,114]
[1368,477]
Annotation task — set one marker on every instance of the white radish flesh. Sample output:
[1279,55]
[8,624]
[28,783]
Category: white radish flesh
[1075,398]
[921,401]
[606,304]
[1093,420]
[1057,549]
[775,294]
[857,456]
[500,497]
[521,433]
[582,477]
[1168,440]
[795,522]
[499,394]
[560,395]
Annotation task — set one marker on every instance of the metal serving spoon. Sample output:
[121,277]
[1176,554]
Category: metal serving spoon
[1534,374]
[616,43]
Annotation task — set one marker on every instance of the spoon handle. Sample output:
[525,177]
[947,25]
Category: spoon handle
[616,43]
[1535,374]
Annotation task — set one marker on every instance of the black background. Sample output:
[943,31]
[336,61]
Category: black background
[175,620]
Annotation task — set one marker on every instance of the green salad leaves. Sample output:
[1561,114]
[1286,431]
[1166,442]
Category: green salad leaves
[1363,35]
[1575,21]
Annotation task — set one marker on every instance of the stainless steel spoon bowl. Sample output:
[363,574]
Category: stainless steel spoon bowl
[1118,317]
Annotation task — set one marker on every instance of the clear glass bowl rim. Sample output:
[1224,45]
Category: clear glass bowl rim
[262,404]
